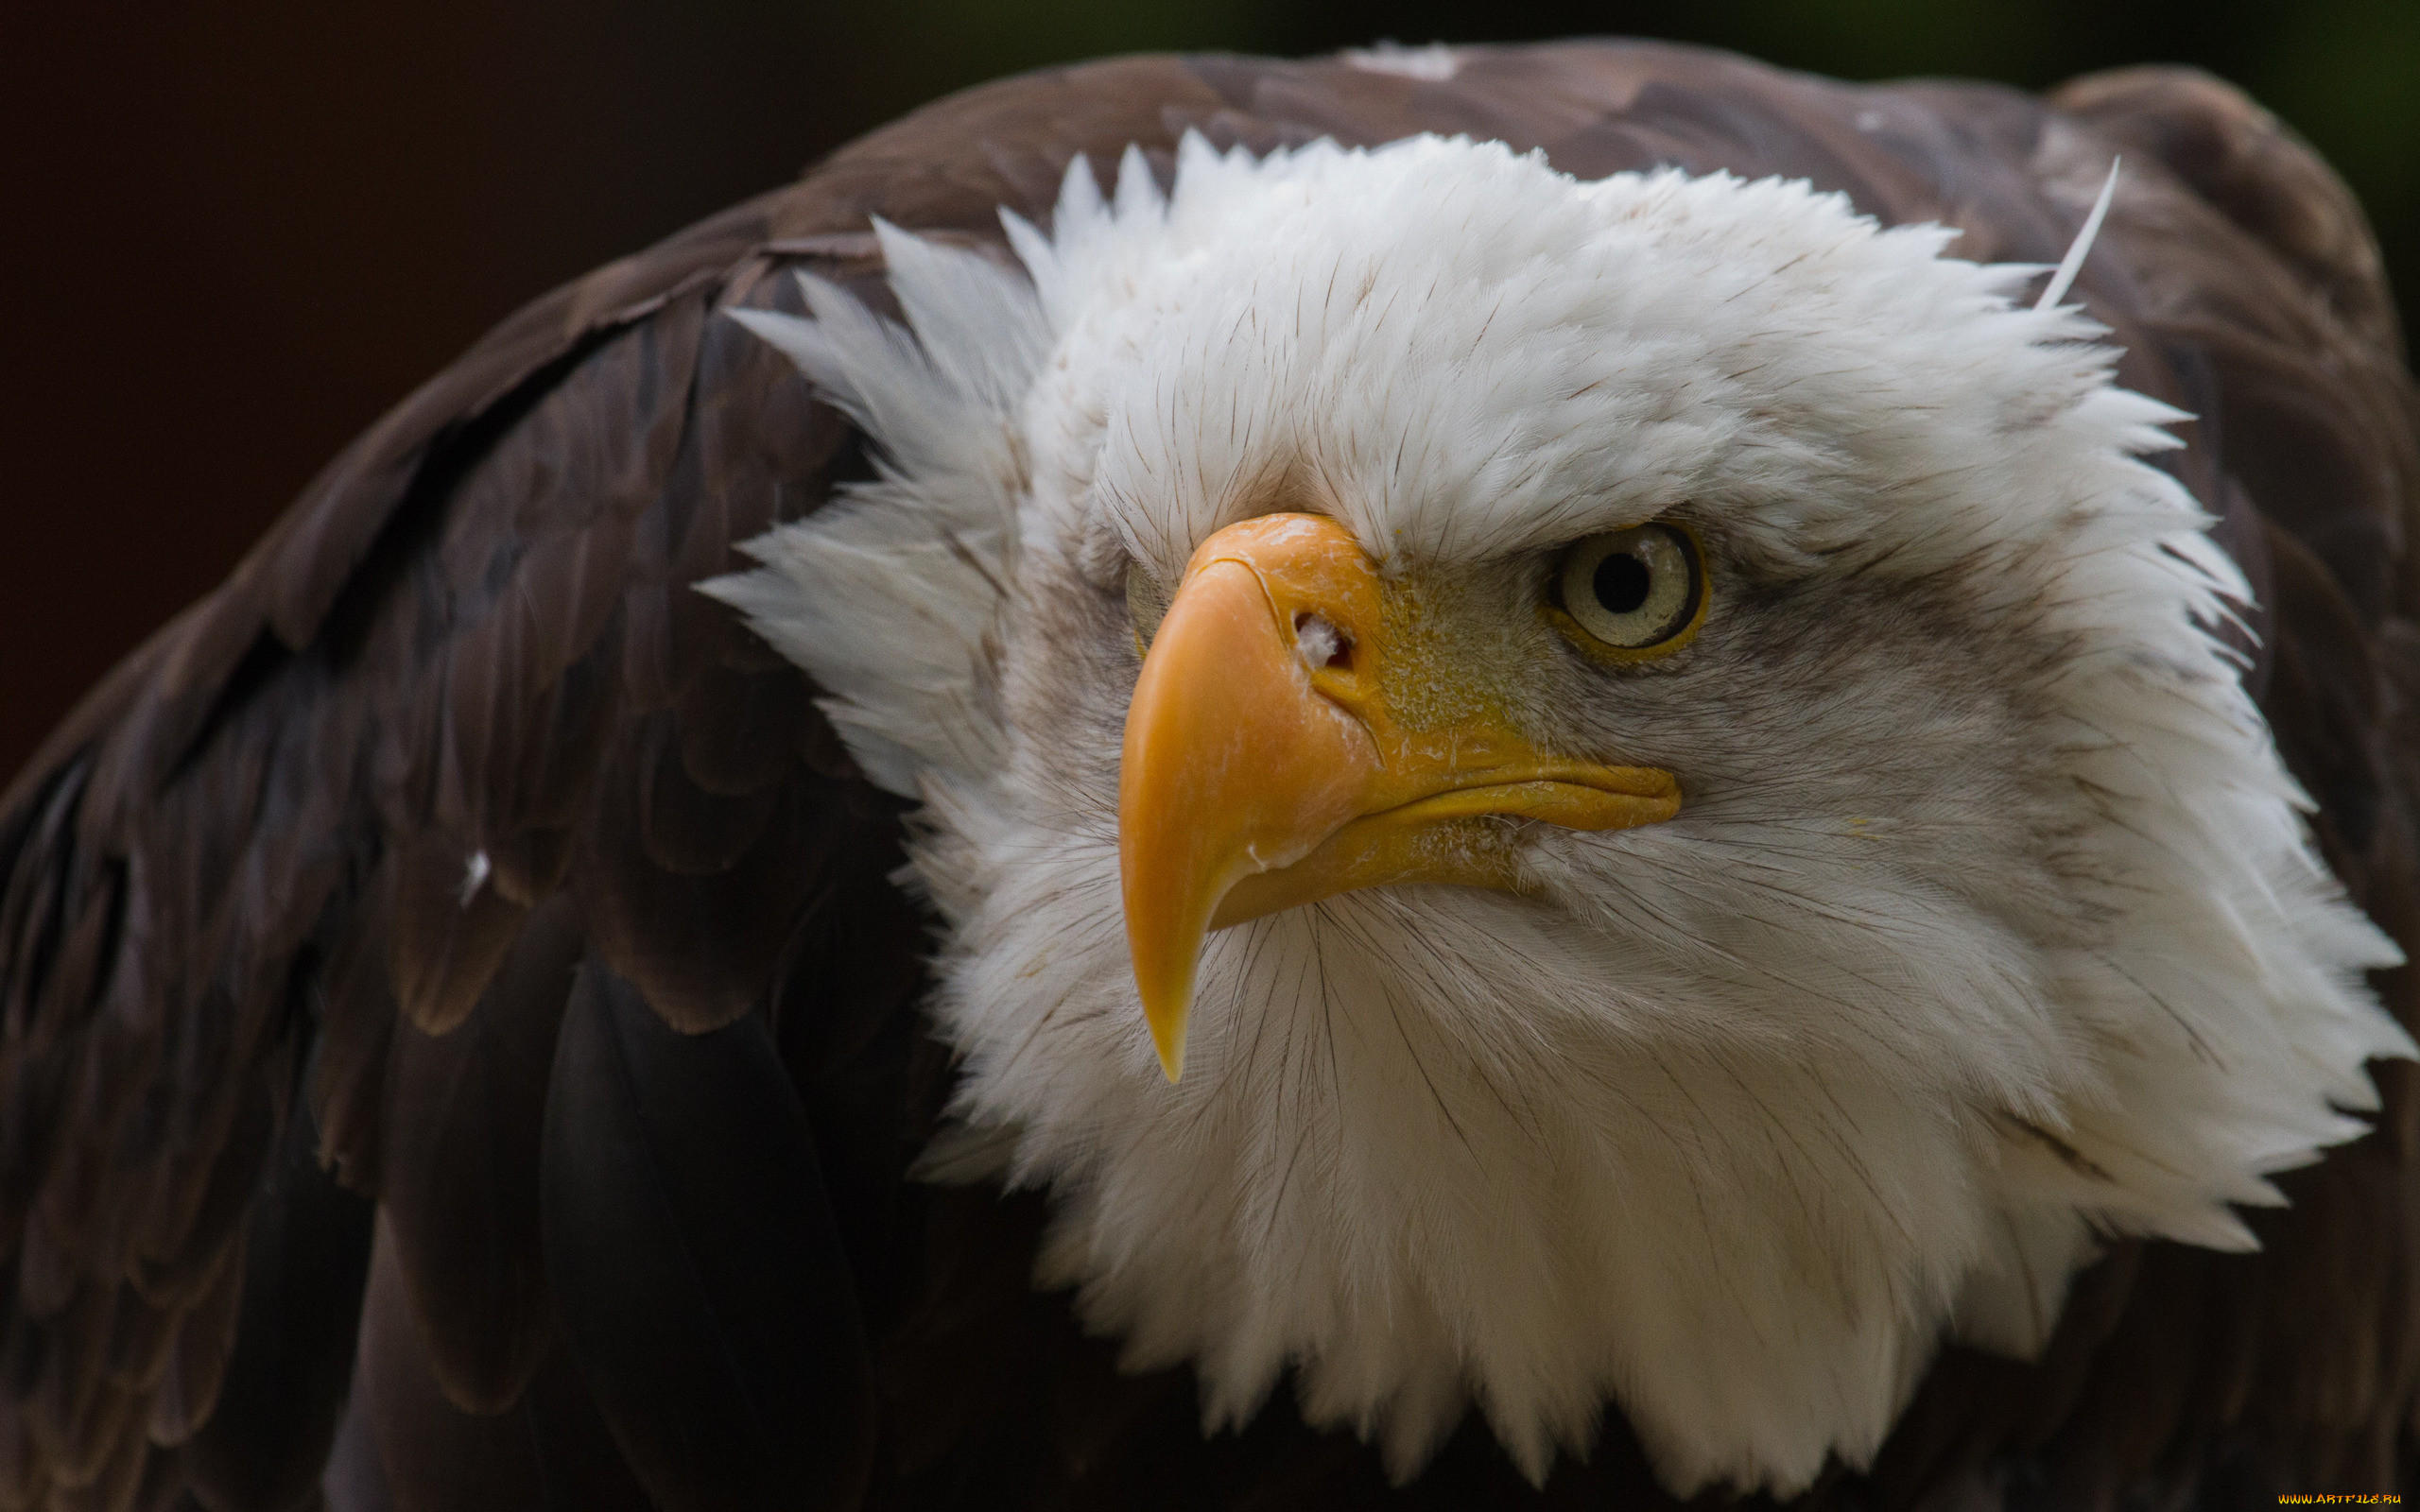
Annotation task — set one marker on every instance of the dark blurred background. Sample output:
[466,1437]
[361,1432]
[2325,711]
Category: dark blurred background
[232,234]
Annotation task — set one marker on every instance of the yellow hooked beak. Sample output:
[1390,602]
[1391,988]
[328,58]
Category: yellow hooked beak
[1254,780]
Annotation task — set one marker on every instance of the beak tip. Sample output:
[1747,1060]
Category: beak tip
[1166,954]
[1167,1035]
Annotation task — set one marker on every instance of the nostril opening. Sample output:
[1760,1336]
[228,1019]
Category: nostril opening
[1322,642]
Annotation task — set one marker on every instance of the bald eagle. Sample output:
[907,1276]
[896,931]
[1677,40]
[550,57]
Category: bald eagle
[1446,778]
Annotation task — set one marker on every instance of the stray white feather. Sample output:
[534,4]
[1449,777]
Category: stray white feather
[2071,265]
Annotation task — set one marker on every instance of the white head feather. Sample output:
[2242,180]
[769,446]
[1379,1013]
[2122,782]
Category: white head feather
[1988,924]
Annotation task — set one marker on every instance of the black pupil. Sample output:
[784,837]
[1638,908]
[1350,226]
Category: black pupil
[1620,583]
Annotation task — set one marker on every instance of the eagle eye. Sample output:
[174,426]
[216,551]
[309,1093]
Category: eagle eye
[1630,593]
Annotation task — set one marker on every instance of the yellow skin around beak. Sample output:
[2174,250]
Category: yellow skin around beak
[1253,781]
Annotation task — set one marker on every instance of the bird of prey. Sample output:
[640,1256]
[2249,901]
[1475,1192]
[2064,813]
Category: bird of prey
[1442,777]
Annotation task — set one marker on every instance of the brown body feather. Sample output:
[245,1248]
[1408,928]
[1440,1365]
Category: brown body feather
[615,1115]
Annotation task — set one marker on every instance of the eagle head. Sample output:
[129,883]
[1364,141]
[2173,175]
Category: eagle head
[1650,749]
